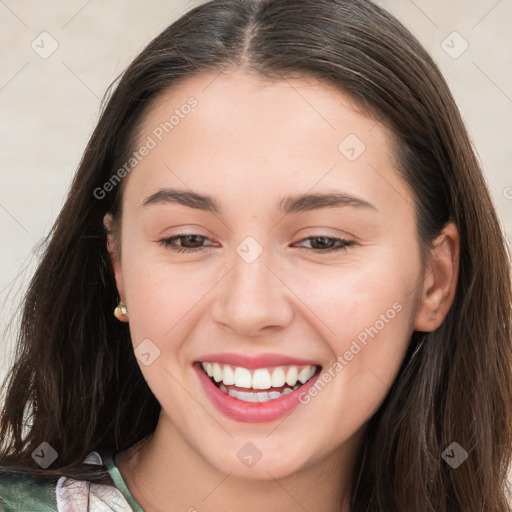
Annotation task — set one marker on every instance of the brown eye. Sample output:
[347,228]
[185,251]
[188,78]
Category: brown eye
[189,243]
[194,243]
[323,244]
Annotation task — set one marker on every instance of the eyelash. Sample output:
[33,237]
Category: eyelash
[343,244]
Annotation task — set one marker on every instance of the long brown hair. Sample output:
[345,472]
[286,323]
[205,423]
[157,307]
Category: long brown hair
[76,384]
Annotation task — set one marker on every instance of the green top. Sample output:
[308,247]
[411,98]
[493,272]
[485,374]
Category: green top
[21,493]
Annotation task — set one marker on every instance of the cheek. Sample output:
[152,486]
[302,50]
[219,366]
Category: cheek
[370,314]
[361,300]
[160,295]
[162,305]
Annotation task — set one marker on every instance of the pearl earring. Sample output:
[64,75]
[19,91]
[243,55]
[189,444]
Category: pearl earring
[121,311]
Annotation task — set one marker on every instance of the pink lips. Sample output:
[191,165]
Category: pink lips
[247,412]
[258,361]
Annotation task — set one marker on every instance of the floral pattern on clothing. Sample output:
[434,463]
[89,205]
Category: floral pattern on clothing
[82,496]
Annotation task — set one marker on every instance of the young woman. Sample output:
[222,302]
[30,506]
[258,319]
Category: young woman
[311,290]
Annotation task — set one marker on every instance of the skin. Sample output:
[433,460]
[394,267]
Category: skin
[249,143]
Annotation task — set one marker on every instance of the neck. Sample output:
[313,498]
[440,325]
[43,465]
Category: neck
[165,471]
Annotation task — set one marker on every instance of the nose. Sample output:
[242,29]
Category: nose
[253,298]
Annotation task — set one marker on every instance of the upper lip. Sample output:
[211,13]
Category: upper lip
[256,361]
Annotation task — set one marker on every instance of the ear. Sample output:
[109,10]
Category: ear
[440,280]
[115,257]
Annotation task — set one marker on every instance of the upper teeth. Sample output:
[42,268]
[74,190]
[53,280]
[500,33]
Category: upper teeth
[261,378]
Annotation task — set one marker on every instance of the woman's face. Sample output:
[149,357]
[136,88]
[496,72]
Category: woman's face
[267,280]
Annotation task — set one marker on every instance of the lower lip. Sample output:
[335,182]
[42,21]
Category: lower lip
[248,412]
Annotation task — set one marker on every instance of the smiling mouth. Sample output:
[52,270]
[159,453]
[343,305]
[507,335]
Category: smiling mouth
[258,385]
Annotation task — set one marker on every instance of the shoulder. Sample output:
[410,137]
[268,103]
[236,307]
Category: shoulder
[20,492]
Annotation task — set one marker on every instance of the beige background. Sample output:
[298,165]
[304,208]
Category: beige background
[49,105]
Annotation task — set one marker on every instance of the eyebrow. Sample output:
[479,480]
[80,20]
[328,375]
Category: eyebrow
[288,205]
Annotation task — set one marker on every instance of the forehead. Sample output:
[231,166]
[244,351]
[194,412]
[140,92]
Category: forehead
[238,132]
[250,103]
